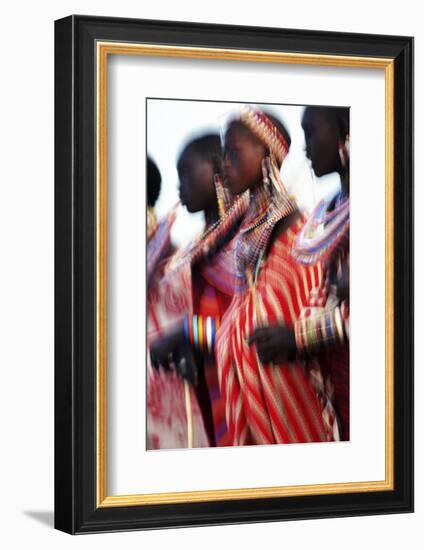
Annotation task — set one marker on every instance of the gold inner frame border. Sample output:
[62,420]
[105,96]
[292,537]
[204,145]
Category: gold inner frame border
[103,50]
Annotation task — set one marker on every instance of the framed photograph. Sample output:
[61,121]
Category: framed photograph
[229,348]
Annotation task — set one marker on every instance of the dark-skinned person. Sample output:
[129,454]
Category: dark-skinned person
[158,232]
[154,182]
[321,336]
[323,333]
[268,399]
[198,286]
[157,250]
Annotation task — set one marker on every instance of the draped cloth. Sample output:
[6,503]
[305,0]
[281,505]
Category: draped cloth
[333,357]
[158,239]
[267,403]
[167,422]
[324,239]
[196,280]
[214,287]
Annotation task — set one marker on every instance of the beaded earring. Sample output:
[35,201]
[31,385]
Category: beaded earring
[342,155]
[344,150]
[347,146]
[223,195]
[265,174]
[152,222]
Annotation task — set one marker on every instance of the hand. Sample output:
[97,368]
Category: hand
[163,348]
[171,347]
[339,280]
[186,363]
[343,287]
[274,344]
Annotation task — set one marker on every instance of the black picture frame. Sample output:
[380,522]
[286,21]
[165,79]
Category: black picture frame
[76,508]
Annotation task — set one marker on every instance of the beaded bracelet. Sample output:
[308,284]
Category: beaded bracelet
[339,324]
[318,331]
[298,336]
[200,332]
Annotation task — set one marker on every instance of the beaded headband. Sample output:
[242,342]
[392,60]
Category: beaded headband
[264,129]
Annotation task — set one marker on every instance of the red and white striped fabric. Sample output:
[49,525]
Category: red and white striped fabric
[167,426]
[171,293]
[270,403]
[331,352]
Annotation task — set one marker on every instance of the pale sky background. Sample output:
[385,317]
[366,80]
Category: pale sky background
[171,124]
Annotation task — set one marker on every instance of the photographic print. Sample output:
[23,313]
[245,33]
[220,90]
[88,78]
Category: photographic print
[247,274]
[226,348]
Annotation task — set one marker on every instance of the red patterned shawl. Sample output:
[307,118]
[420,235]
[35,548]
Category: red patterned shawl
[172,294]
[270,403]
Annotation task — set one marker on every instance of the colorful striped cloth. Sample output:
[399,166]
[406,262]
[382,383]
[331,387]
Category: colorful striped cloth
[327,243]
[270,403]
[179,287]
[211,302]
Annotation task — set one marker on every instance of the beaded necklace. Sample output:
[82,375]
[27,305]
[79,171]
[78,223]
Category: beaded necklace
[323,231]
[268,205]
[202,245]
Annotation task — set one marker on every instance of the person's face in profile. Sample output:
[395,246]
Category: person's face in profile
[196,184]
[322,137]
[243,155]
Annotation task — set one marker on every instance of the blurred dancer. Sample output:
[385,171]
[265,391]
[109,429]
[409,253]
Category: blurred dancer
[323,332]
[267,400]
[162,390]
[198,282]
